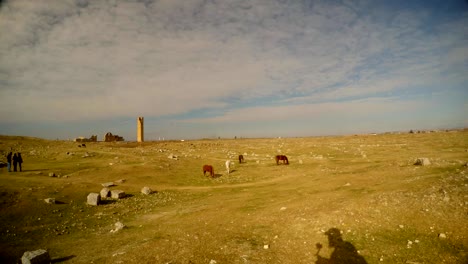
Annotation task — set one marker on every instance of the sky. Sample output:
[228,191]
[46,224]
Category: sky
[231,68]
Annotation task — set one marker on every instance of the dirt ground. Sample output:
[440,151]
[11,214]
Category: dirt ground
[365,186]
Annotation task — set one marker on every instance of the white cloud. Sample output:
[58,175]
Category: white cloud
[85,60]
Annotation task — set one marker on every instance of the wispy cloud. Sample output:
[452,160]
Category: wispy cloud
[210,61]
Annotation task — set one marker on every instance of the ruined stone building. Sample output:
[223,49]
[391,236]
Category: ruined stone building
[112,138]
[93,138]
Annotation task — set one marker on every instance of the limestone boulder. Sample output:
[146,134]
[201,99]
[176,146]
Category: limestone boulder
[94,199]
[146,190]
[40,256]
[117,194]
[105,192]
[50,200]
[422,162]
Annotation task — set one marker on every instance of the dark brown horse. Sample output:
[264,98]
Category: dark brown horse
[241,158]
[283,158]
[208,168]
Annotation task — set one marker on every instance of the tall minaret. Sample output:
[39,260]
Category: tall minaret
[140,129]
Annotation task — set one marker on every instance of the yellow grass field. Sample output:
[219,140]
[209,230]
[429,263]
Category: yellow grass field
[367,186]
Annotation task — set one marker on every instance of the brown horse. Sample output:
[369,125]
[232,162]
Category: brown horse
[208,168]
[241,158]
[283,158]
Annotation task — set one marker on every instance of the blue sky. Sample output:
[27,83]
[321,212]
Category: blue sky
[245,68]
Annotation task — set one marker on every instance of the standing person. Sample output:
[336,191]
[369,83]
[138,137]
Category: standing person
[15,161]
[20,161]
[9,161]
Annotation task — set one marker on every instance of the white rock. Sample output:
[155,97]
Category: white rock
[50,200]
[146,190]
[117,194]
[94,198]
[40,256]
[422,162]
[266,246]
[107,184]
[442,236]
[105,192]
[118,226]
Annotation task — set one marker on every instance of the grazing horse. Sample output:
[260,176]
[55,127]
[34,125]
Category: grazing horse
[283,158]
[241,158]
[228,166]
[208,168]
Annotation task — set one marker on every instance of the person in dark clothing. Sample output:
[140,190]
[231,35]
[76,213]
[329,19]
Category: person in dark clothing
[9,161]
[20,161]
[15,161]
[344,253]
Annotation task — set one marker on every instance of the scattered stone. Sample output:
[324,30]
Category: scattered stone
[266,246]
[172,156]
[117,194]
[51,174]
[118,226]
[50,200]
[347,184]
[422,162]
[442,236]
[213,261]
[283,208]
[94,198]
[401,226]
[105,192]
[108,184]
[120,181]
[146,190]
[40,256]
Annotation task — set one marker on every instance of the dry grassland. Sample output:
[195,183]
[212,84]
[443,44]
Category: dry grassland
[367,186]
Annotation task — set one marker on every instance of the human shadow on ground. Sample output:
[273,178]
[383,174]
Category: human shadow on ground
[344,252]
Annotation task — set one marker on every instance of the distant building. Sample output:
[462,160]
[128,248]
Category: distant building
[93,138]
[112,138]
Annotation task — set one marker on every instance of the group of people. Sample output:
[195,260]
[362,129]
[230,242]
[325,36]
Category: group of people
[16,159]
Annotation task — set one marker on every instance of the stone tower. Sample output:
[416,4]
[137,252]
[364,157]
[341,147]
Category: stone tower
[140,129]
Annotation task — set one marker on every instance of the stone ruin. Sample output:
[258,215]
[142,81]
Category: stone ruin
[93,138]
[112,138]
